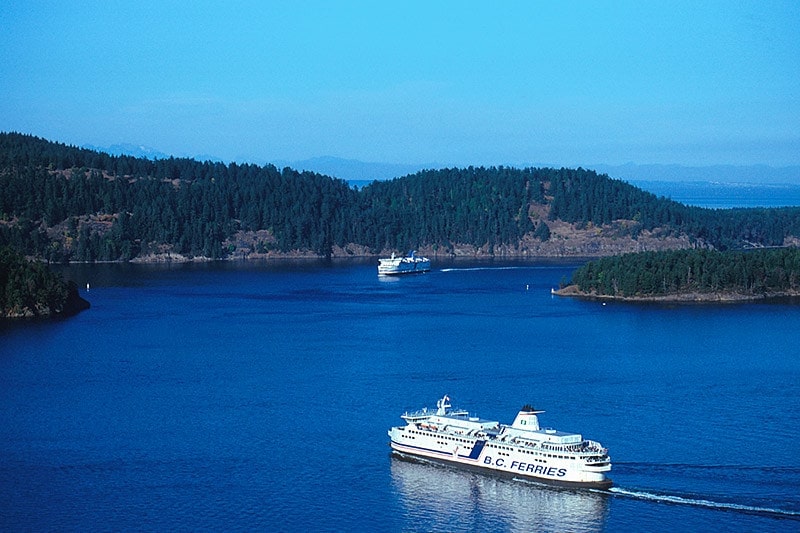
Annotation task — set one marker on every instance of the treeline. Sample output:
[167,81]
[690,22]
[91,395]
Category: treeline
[477,206]
[63,203]
[30,289]
[116,208]
[119,207]
[754,272]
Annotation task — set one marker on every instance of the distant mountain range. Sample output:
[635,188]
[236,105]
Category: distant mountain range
[137,150]
[353,170]
[128,149]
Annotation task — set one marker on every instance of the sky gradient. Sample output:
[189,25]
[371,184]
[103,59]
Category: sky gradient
[454,83]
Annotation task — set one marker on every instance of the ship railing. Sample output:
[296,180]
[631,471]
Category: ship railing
[591,454]
[584,447]
[425,412]
[417,415]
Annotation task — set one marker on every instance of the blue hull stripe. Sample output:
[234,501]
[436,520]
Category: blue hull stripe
[476,450]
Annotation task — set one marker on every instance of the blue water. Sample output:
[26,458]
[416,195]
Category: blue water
[232,396]
[716,195]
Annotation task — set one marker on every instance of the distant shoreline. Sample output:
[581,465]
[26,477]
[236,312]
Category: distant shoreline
[300,256]
[682,297]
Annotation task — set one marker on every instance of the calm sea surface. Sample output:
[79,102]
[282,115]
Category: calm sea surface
[257,396]
[725,195]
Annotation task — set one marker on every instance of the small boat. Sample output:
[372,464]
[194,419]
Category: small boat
[520,450]
[410,264]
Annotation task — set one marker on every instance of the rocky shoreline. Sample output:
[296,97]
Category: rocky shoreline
[682,297]
[566,243]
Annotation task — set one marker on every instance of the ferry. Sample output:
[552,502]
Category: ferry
[409,264]
[522,450]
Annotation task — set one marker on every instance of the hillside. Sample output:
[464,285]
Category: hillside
[63,203]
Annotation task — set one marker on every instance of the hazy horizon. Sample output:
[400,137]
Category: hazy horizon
[364,171]
[456,83]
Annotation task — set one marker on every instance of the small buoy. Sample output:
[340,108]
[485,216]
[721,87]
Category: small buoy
[87,286]
[527,287]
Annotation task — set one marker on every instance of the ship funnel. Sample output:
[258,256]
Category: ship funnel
[527,419]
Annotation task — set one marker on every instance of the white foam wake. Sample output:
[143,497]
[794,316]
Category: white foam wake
[680,500]
[473,269]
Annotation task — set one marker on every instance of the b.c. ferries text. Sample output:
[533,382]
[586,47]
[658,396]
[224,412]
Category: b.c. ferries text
[522,449]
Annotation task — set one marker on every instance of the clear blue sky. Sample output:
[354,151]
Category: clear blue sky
[457,83]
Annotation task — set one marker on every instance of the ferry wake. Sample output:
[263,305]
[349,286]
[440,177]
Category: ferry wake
[522,450]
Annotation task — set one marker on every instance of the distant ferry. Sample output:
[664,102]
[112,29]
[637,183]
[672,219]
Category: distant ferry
[409,264]
[521,450]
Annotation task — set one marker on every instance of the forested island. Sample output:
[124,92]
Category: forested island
[30,289]
[60,203]
[690,275]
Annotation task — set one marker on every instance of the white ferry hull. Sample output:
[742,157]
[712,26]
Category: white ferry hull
[511,464]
